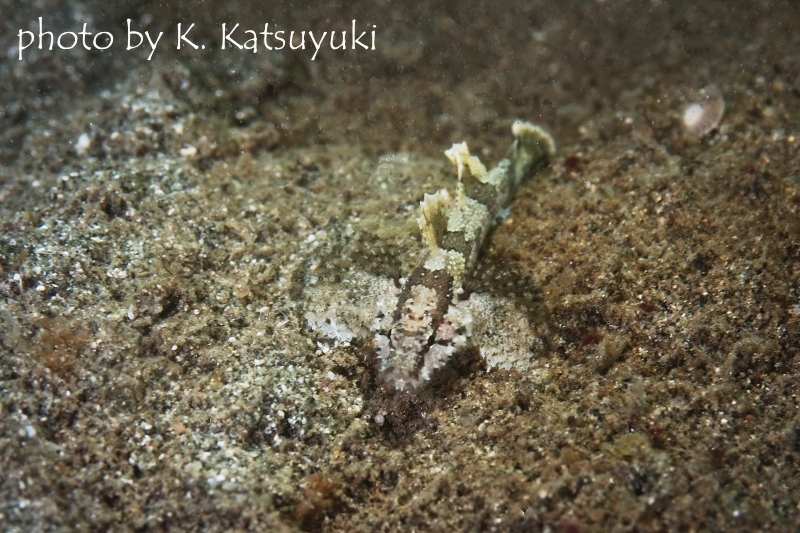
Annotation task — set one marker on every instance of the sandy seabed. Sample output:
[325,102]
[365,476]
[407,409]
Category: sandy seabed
[158,219]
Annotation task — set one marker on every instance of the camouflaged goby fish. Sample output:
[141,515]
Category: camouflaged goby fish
[430,322]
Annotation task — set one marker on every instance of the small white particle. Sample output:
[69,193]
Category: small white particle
[83,144]
[703,116]
[188,151]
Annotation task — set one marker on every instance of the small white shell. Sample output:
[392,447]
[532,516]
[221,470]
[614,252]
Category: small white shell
[700,117]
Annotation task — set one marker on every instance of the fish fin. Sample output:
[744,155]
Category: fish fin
[533,147]
[503,280]
[433,220]
[469,167]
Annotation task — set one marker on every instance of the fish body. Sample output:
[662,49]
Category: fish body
[429,322]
